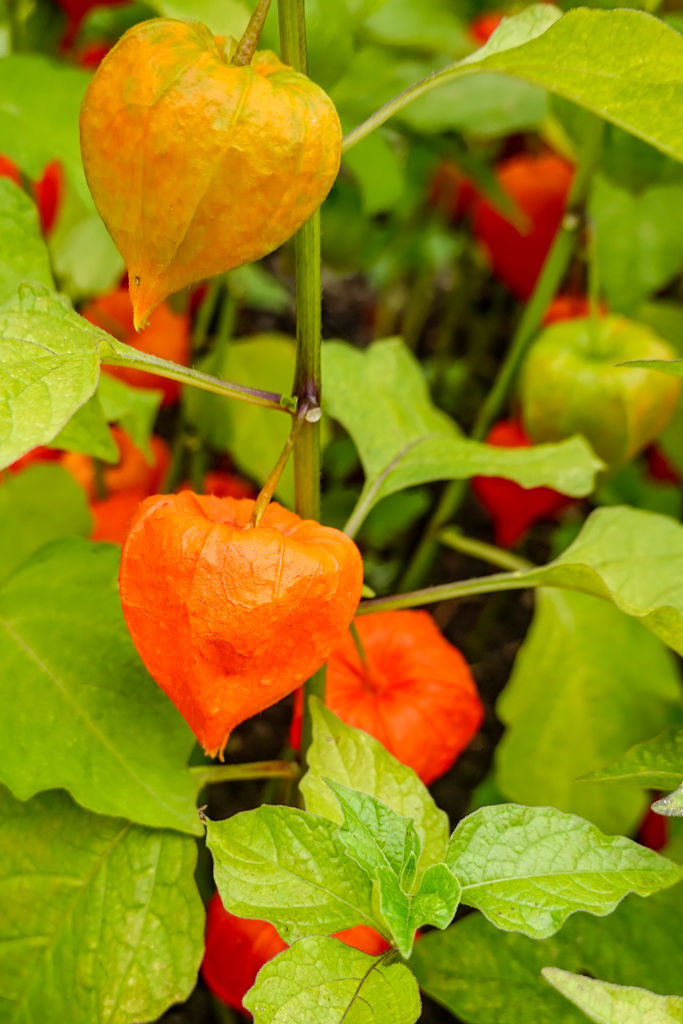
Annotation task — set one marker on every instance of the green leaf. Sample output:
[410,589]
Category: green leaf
[586,56]
[380,397]
[289,867]
[587,671]
[40,102]
[627,556]
[490,977]
[323,981]
[84,256]
[88,432]
[23,255]
[101,918]
[654,764]
[485,105]
[373,834]
[81,712]
[376,167]
[615,1004]
[253,436]
[639,249]
[527,869]
[37,505]
[134,409]
[386,845]
[431,25]
[359,761]
[671,367]
[672,805]
[49,367]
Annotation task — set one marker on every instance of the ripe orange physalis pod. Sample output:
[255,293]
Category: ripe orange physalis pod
[198,166]
[415,692]
[227,618]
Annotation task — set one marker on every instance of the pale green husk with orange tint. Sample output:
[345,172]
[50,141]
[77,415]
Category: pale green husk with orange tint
[197,166]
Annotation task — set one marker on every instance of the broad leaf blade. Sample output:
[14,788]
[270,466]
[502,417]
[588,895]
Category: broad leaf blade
[360,762]
[654,764]
[493,977]
[288,867]
[323,981]
[615,1004]
[527,869]
[405,440]
[589,672]
[23,254]
[49,366]
[81,711]
[39,504]
[587,57]
[95,906]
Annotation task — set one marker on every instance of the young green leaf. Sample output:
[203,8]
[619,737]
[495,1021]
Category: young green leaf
[23,254]
[672,805]
[380,396]
[589,672]
[88,432]
[373,834]
[384,844]
[80,710]
[615,1004]
[95,906]
[654,764]
[133,409]
[359,761]
[323,981]
[24,524]
[288,867]
[528,868]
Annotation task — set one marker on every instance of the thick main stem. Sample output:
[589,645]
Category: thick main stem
[554,269]
[307,375]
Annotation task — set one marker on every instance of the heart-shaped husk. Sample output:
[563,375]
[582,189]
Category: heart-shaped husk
[197,166]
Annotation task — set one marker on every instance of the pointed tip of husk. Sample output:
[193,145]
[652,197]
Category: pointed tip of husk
[145,299]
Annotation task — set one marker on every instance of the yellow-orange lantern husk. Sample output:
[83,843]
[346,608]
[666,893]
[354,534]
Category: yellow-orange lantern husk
[197,166]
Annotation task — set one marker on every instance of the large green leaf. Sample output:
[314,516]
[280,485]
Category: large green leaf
[223,17]
[527,869]
[380,396]
[587,671]
[80,710]
[485,976]
[639,249]
[101,918]
[40,504]
[49,366]
[485,105]
[655,764]
[288,867]
[359,761]
[23,255]
[323,981]
[253,436]
[587,57]
[615,1004]
[40,101]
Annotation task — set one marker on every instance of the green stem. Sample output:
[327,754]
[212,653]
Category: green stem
[268,489]
[205,313]
[307,375]
[112,356]
[450,591]
[249,41]
[359,645]
[206,775]
[554,269]
[454,539]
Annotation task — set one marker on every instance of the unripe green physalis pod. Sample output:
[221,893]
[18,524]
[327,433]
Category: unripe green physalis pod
[571,383]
